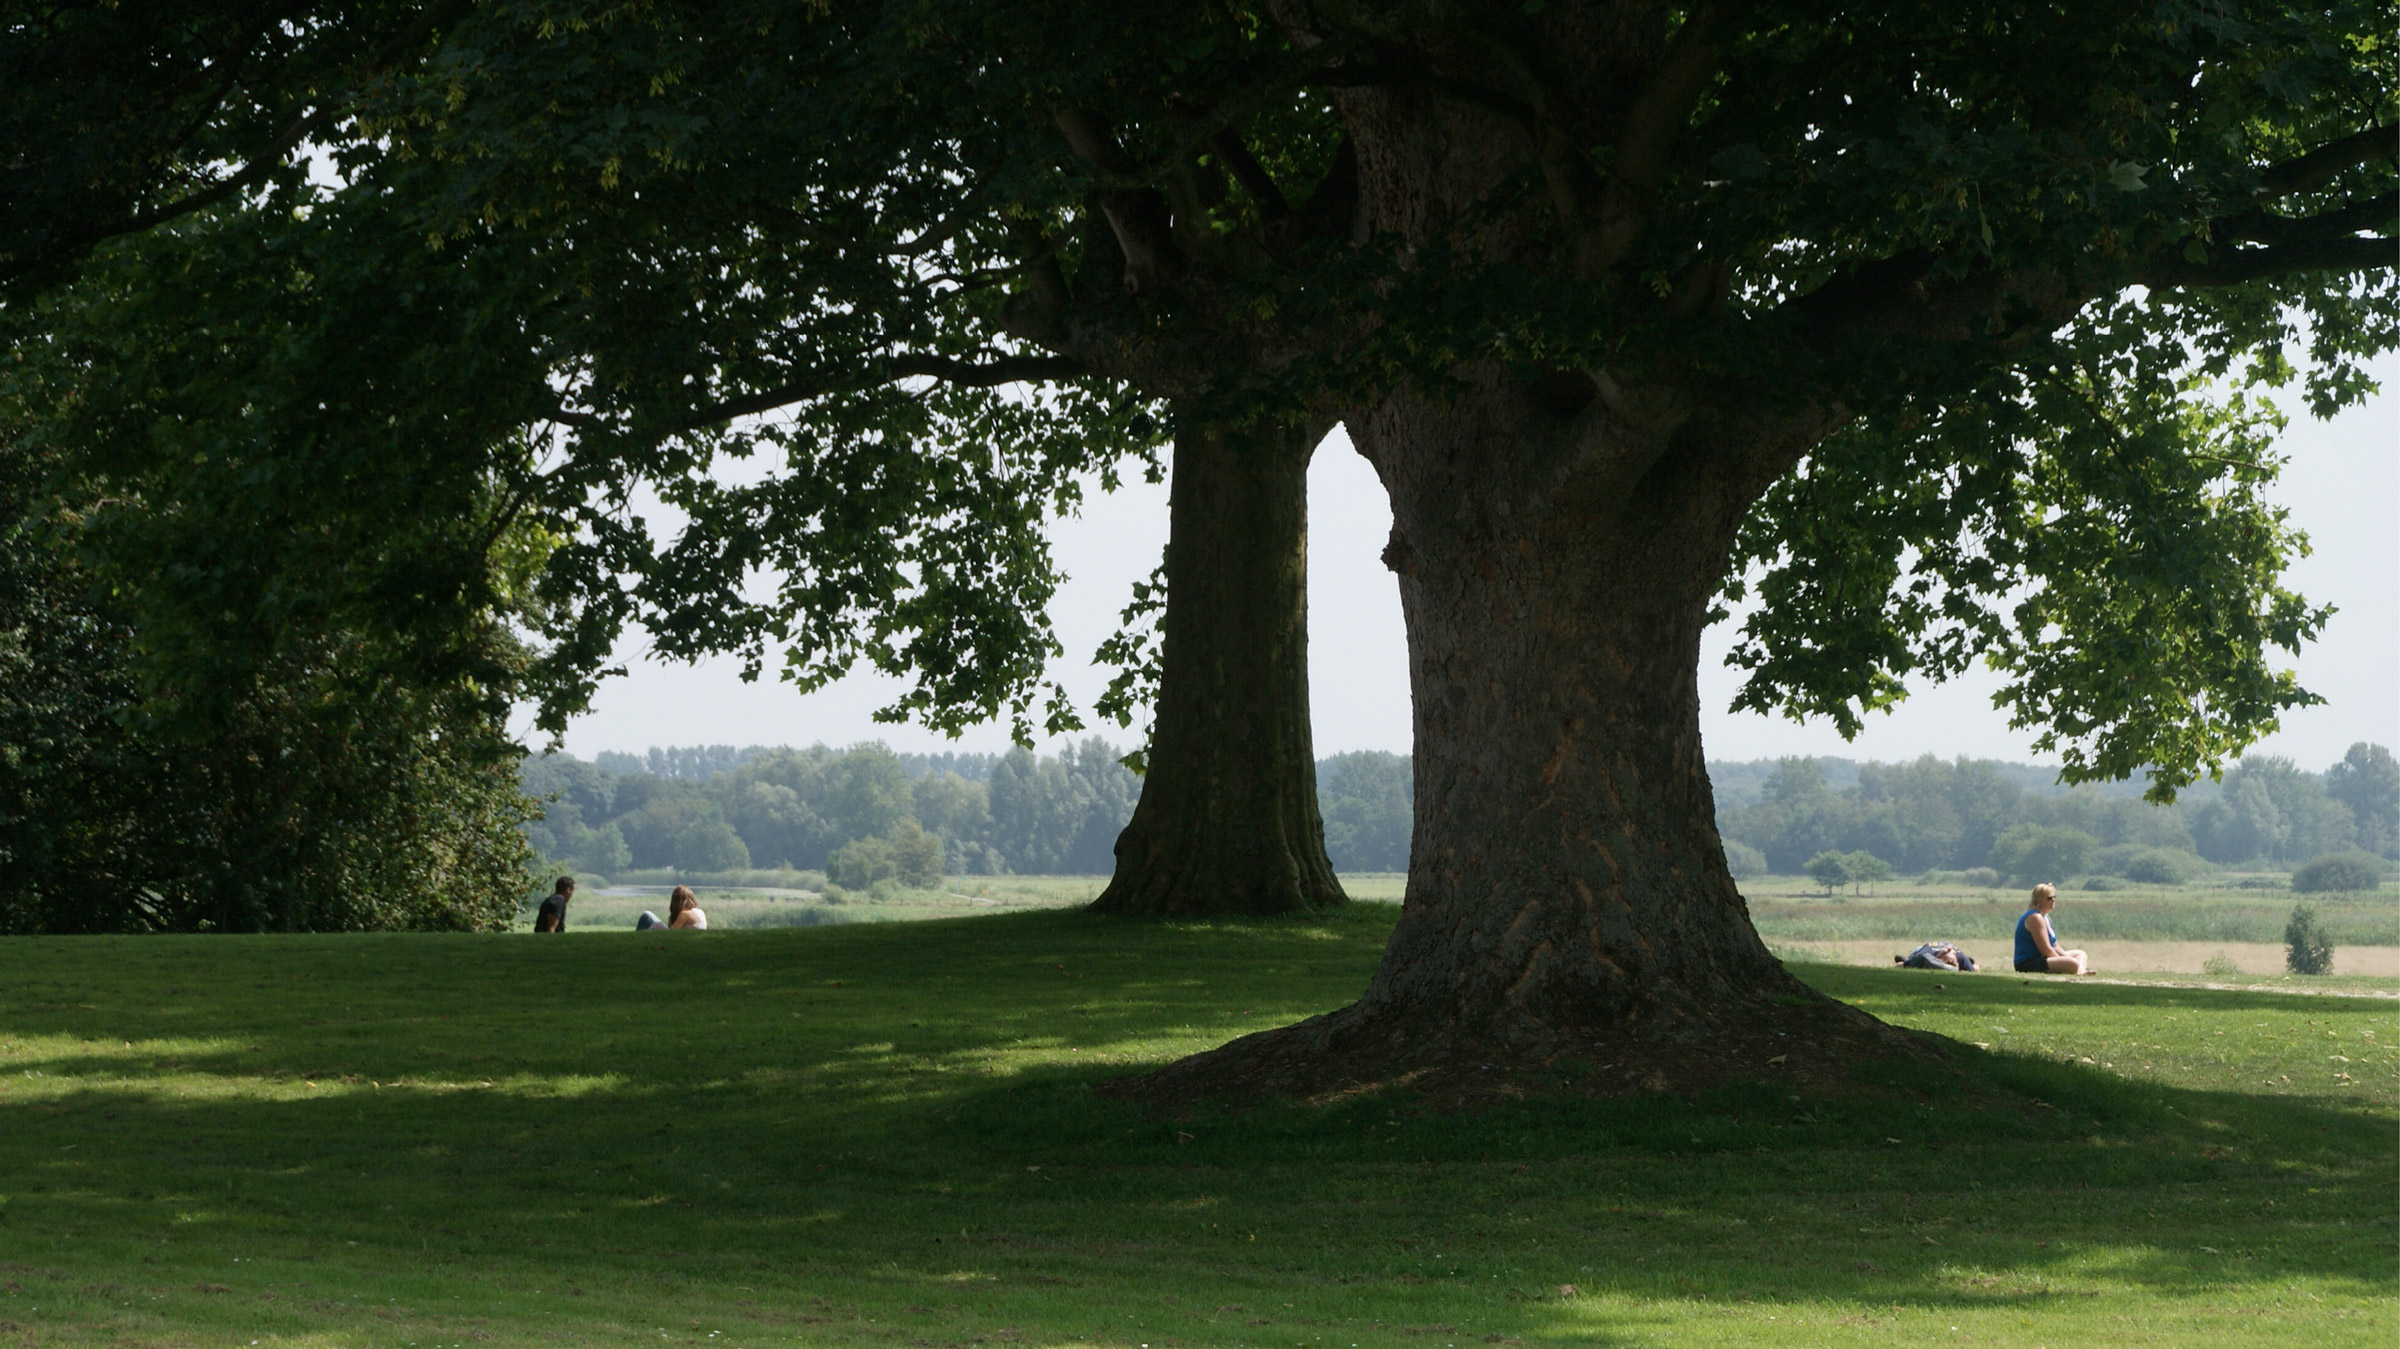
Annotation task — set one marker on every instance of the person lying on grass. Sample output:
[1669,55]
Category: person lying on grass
[1937,955]
[2037,941]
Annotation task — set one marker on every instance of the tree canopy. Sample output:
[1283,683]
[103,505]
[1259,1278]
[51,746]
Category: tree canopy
[1957,320]
[321,796]
[614,232]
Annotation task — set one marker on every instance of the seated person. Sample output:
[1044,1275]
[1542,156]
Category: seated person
[683,910]
[2038,950]
[553,914]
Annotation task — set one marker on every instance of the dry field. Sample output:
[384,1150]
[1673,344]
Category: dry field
[2121,957]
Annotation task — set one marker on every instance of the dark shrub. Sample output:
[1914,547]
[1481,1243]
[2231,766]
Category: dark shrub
[2338,873]
[2306,949]
[2105,883]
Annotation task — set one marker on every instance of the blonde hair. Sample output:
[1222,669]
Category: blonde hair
[2045,891]
[681,899]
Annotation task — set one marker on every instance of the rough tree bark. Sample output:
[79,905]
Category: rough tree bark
[1559,538]
[1567,892]
[1228,819]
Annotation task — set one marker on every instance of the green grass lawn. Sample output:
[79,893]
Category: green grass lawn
[885,1134]
[768,899]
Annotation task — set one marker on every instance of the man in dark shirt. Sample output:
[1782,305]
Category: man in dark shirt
[553,915]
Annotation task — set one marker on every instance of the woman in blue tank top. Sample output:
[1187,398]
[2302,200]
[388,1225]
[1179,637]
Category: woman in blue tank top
[2037,941]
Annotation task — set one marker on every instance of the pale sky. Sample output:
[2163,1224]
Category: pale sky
[2342,486]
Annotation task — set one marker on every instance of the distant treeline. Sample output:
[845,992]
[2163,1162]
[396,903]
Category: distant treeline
[1966,814]
[717,808]
[721,809]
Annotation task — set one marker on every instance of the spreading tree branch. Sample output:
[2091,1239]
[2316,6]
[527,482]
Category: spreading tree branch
[2339,254]
[1395,71]
[2319,166]
[886,370]
[1647,141]
[1138,216]
[1251,174]
[2258,227]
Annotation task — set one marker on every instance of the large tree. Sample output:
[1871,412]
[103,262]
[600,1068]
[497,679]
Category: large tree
[1909,303]
[1950,319]
[1917,306]
[835,228]
[683,248]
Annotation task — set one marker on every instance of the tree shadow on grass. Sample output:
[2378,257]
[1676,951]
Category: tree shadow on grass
[887,1119]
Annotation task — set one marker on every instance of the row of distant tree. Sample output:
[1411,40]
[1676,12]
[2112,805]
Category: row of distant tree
[718,808]
[1964,814]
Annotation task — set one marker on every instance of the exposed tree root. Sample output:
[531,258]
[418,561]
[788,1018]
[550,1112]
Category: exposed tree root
[1803,1039]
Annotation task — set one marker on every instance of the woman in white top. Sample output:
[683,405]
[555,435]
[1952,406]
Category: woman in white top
[683,910]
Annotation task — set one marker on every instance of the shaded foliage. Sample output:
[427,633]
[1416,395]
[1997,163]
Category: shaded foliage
[316,800]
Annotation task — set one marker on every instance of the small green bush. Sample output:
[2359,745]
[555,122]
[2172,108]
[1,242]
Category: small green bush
[907,854]
[1983,876]
[1829,869]
[2306,949]
[2156,866]
[2339,873]
[2220,966]
[2035,852]
[2106,883]
[860,863]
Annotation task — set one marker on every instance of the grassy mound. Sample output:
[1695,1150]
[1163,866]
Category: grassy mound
[887,1134]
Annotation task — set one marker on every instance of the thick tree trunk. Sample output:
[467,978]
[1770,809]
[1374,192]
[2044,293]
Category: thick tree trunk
[1228,821]
[1567,892]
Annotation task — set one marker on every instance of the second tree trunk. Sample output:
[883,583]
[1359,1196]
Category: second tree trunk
[1228,820]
